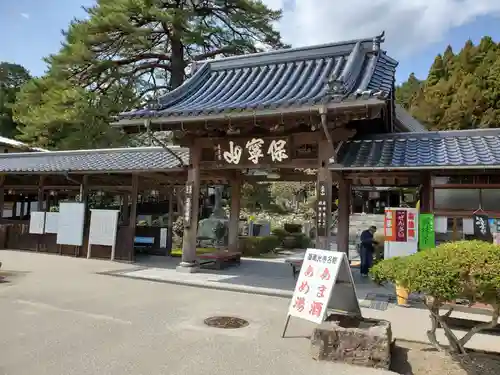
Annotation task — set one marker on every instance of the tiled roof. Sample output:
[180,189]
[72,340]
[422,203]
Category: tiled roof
[426,150]
[103,160]
[289,78]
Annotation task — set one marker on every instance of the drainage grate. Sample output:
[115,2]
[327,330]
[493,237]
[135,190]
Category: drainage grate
[377,301]
[226,322]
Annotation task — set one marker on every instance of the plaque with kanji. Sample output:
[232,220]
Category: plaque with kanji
[253,151]
[325,283]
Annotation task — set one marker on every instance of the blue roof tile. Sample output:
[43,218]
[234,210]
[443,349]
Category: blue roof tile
[446,149]
[96,161]
[281,79]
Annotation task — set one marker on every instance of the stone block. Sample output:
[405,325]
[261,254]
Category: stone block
[352,340]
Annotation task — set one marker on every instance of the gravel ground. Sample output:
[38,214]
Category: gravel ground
[418,359]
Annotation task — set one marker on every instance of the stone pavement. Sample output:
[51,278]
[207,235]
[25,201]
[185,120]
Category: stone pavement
[271,277]
[60,316]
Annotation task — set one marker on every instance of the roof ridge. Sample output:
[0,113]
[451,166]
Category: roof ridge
[377,38]
[95,151]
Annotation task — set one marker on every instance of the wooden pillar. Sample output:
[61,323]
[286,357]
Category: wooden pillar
[191,208]
[170,224]
[324,196]
[125,209]
[23,207]
[41,201]
[234,218]
[343,212]
[133,217]
[425,194]
[2,195]
[84,190]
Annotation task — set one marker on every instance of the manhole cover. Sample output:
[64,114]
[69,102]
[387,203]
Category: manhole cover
[227,322]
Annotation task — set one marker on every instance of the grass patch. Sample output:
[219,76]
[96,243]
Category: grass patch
[199,251]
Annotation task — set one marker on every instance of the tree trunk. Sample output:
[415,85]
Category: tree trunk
[177,64]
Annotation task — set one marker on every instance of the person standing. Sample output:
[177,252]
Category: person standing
[366,249]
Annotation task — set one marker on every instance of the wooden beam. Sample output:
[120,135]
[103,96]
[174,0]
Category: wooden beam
[133,217]
[41,205]
[324,193]
[191,208]
[343,216]
[2,195]
[234,218]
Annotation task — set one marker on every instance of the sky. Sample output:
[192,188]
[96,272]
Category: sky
[416,30]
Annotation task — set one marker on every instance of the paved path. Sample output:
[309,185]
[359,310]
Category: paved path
[60,317]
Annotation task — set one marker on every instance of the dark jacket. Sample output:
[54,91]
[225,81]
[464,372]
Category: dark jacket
[366,240]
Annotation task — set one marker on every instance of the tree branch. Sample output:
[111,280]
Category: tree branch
[480,327]
[219,51]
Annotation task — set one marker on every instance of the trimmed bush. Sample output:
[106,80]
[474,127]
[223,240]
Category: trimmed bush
[302,241]
[468,270]
[255,246]
[280,233]
[392,270]
[293,227]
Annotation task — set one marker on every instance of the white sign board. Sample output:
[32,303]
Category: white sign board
[103,228]
[70,223]
[325,283]
[37,222]
[163,237]
[51,222]
[400,231]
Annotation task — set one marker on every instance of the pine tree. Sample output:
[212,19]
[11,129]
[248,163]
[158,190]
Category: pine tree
[436,72]
[147,44]
[12,77]
[407,92]
[129,52]
[461,91]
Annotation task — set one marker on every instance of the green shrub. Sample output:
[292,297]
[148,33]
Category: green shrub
[302,241]
[394,270]
[280,233]
[468,270]
[255,246]
[293,227]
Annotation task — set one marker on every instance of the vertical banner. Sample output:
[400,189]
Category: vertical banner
[401,226]
[389,227]
[482,230]
[188,205]
[411,225]
[426,235]
[321,210]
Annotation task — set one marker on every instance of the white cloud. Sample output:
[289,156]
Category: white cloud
[410,25]
[25,15]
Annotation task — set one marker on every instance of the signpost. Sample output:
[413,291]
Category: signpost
[103,230]
[325,283]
